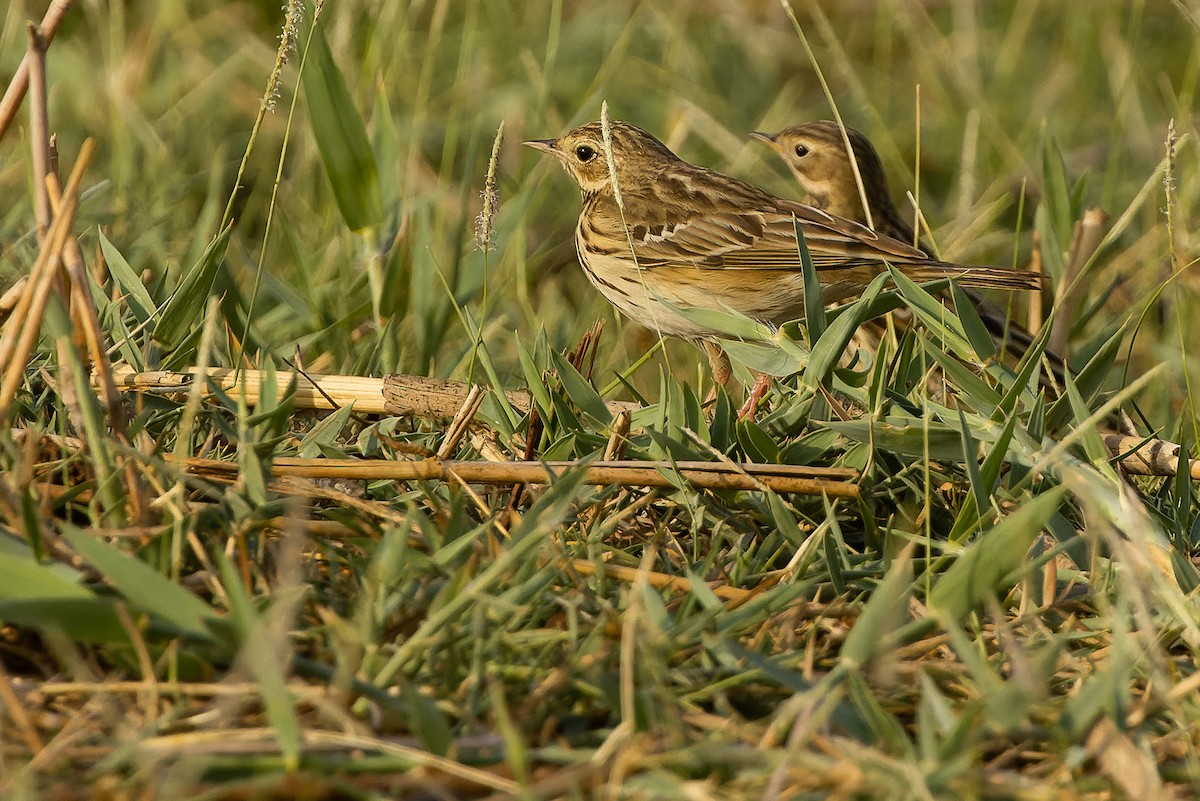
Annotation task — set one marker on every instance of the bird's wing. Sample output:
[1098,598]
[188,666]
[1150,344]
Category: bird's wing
[763,239]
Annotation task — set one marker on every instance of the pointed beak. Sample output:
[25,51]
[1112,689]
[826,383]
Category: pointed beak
[545,145]
[768,139]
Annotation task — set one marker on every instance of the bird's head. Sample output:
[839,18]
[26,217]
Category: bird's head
[638,156]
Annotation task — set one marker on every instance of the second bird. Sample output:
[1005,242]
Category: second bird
[816,155]
[684,236]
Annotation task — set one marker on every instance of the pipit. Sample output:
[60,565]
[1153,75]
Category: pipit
[683,236]
[815,152]
[816,155]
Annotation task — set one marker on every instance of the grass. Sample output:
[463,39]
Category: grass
[1002,612]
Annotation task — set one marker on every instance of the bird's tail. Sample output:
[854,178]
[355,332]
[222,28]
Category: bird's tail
[980,277]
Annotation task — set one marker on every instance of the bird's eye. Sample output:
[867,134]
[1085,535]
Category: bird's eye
[801,151]
[585,153]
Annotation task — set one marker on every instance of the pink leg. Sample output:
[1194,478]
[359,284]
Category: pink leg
[761,385]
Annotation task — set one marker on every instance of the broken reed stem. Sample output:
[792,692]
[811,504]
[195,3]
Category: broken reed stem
[399,395]
[51,21]
[21,331]
[705,475]
[1149,457]
[1037,300]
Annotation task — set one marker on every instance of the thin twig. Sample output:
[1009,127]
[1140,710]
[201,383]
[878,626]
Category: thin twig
[706,475]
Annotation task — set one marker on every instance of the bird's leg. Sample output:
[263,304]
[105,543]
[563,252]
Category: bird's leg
[722,371]
[757,393]
[718,362]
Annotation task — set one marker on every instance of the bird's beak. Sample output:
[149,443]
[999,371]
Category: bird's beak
[768,139]
[545,145]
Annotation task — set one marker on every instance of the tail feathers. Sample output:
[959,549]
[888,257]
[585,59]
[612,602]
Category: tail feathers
[1013,336]
[981,277]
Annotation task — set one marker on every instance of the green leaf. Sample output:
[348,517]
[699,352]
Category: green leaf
[23,579]
[829,348]
[980,492]
[265,662]
[989,477]
[136,295]
[185,308]
[427,720]
[340,134]
[814,293]
[943,325]
[872,632]
[143,586]
[977,333]
[86,619]
[765,358]
[325,432]
[904,436]
[757,443]
[727,322]
[534,381]
[989,565]
[581,393]
[1055,195]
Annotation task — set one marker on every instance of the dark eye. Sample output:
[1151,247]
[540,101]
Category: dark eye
[801,151]
[584,153]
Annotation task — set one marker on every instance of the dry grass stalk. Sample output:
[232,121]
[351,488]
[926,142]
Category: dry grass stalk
[21,331]
[461,422]
[1086,237]
[19,84]
[39,127]
[12,295]
[659,581]
[706,475]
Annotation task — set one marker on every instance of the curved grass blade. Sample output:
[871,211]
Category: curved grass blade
[143,586]
[989,564]
[340,135]
[183,310]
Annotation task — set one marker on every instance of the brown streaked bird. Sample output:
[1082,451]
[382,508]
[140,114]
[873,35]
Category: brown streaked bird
[692,237]
[816,155]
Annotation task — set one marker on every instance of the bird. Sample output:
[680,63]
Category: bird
[816,155]
[657,234]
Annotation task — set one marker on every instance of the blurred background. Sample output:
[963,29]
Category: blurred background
[979,100]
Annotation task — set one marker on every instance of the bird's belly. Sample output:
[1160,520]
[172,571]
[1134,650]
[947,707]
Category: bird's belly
[651,296]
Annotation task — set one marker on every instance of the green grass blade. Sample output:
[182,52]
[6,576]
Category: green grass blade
[143,586]
[340,135]
[988,565]
[184,309]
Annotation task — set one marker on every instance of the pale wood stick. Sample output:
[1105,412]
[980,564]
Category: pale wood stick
[440,398]
[400,395]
